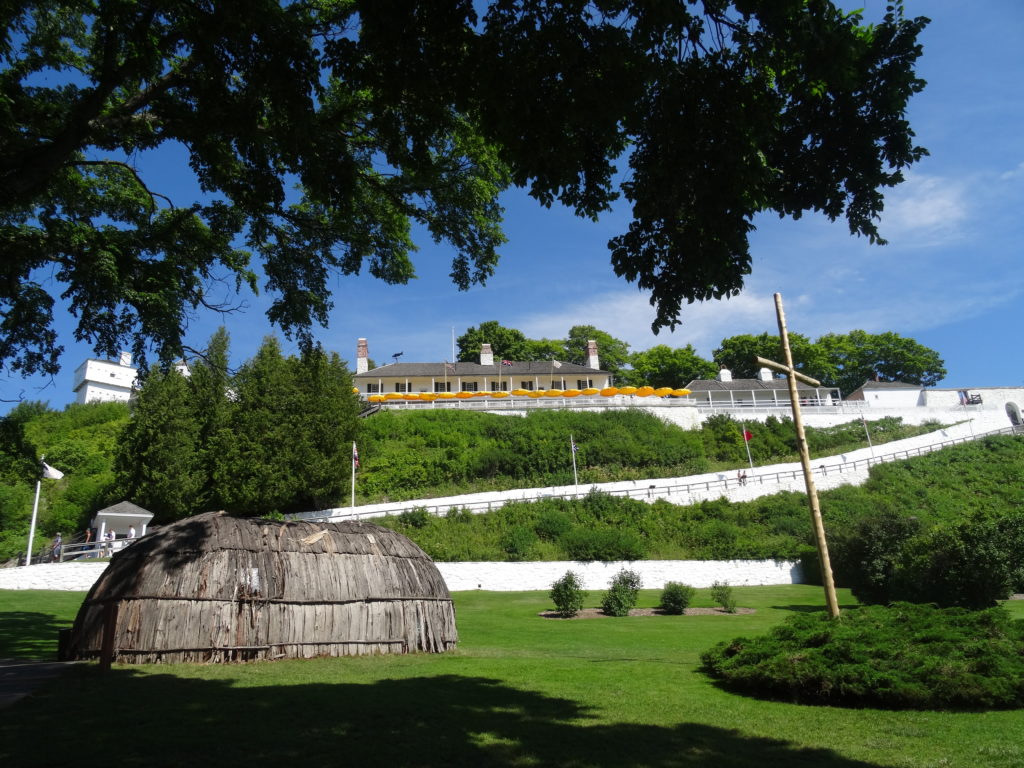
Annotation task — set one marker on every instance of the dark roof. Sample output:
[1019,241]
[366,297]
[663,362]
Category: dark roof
[518,368]
[125,508]
[745,385]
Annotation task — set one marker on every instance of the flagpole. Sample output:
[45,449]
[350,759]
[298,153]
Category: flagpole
[746,443]
[575,477]
[44,471]
[32,527]
[353,475]
[868,435]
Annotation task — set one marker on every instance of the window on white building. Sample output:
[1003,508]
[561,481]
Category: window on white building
[372,389]
[526,385]
[470,386]
[442,386]
[401,386]
[584,383]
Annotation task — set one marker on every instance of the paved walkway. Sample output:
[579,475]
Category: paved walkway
[20,678]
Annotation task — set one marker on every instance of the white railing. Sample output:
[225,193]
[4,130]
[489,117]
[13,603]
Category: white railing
[93,549]
[659,490]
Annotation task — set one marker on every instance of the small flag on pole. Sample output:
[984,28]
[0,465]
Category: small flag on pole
[506,362]
[51,473]
[450,367]
[355,455]
[573,444]
[556,364]
[747,435]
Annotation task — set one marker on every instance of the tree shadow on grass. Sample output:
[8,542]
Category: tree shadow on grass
[128,718]
[29,635]
[812,608]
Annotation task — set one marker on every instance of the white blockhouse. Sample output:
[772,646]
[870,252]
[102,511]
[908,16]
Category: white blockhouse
[105,380]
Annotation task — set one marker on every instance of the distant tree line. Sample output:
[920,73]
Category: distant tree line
[839,360]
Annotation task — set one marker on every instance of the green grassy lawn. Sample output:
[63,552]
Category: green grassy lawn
[519,691]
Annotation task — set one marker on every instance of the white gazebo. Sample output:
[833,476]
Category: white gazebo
[119,518]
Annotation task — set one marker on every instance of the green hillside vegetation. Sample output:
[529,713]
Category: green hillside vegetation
[425,454]
[79,441]
[405,455]
[984,479]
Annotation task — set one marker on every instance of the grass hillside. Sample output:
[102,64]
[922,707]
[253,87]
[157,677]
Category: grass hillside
[981,478]
[424,454]
[412,455]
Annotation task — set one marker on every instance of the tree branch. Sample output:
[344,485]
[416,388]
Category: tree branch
[138,179]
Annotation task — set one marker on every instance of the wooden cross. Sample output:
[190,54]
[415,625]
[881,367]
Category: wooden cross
[792,375]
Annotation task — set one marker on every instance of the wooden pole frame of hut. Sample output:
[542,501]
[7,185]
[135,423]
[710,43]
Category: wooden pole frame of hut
[792,375]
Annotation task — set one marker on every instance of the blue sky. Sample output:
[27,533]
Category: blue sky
[950,276]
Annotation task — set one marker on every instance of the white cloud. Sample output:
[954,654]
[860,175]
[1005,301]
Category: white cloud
[927,207]
[628,315]
[1014,173]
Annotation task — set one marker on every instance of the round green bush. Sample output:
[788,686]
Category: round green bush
[721,594]
[676,598]
[905,656]
[622,593]
[567,594]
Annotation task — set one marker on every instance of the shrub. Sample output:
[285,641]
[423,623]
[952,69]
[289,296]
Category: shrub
[676,598]
[721,594]
[567,594]
[903,656]
[459,514]
[971,565]
[602,544]
[552,524]
[518,542]
[414,518]
[622,593]
[866,555]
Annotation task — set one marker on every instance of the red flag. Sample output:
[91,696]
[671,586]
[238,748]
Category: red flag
[355,456]
[747,435]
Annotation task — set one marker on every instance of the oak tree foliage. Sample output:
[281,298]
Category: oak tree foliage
[321,131]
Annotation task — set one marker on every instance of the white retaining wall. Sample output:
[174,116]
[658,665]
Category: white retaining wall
[67,577]
[495,577]
[516,577]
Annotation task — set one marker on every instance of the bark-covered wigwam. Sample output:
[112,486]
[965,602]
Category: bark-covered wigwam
[215,588]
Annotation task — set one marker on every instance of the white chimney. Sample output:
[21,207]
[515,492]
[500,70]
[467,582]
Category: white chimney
[764,375]
[486,356]
[724,374]
[126,359]
[362,356]
[592,361]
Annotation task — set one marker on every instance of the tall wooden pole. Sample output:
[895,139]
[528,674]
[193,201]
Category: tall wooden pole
[805,457]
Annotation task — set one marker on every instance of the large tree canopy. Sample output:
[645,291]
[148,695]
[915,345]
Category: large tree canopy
[841,360]
[663,366]
[387,113]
